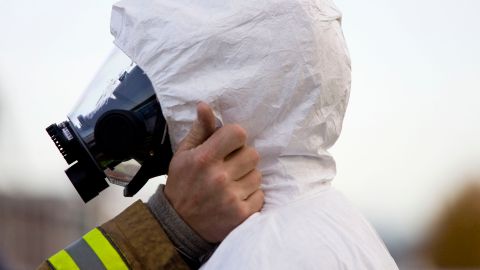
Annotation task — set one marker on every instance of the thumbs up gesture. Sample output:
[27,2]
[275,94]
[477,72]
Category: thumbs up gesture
[213,183]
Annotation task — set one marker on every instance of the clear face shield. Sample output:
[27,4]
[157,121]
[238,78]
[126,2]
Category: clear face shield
[116,132]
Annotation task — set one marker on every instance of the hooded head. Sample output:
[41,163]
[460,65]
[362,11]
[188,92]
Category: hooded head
[279,68]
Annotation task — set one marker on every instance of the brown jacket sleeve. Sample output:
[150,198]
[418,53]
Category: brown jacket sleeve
[44,266]
[140,240]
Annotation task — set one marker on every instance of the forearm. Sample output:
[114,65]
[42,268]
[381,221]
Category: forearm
[132,240]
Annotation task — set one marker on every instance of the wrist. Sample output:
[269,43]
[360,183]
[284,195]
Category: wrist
[185,239]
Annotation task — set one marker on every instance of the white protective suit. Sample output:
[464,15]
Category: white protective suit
[280,69]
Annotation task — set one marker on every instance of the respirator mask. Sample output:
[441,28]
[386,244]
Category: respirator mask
[116,132]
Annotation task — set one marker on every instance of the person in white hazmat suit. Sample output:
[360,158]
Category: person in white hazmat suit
[281,70]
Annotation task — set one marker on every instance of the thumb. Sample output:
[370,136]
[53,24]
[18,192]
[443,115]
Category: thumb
[202,129]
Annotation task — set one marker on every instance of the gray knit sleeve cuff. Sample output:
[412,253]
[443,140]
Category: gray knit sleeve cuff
[186,241]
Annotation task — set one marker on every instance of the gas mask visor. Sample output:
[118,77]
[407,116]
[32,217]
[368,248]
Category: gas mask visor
[116,132]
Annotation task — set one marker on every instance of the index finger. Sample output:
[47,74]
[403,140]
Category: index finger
[225,140]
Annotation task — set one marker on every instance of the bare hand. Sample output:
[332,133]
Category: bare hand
[213,183]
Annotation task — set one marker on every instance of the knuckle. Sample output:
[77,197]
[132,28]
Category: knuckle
[231,199]
[243,212]
[201,159]
[261,195]
[257,177]
[254,155]
[220,179]
[257,204]
[239,132]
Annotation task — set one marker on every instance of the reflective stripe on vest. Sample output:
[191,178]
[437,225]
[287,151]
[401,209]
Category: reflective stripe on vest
[94,251]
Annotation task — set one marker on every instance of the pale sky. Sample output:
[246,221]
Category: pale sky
[410,135]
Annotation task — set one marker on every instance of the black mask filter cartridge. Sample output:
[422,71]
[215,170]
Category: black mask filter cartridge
[117,132]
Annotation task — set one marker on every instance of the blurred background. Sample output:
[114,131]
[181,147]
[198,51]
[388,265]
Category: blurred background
[408,157]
